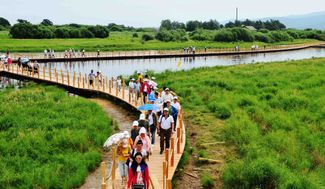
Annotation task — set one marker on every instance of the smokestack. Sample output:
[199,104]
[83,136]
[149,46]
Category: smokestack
[236,13]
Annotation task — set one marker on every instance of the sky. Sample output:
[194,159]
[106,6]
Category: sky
[149,13]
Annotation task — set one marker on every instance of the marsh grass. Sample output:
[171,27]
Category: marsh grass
[271,116]
[48,139]
[118,41]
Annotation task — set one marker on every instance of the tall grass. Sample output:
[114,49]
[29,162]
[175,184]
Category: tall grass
[271,116]
[118,41]
[48,139]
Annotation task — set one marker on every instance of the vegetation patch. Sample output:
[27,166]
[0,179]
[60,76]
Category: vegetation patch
[264,122]
[48,139]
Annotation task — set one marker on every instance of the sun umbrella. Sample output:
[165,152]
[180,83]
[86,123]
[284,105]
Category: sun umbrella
[147,107]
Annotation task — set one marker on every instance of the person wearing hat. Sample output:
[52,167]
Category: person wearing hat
[135,130]
[145,140]
[131,87]
[145,90]
[143,122]
[167,96]
[123,152]
[140,77]
[165,129]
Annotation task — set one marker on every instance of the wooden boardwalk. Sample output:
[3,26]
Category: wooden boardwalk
[60,57]
[161,167]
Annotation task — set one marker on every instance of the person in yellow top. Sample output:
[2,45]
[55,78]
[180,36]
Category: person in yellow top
[123,152]
[140,77]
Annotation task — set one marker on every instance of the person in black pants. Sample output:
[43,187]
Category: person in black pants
[165,129]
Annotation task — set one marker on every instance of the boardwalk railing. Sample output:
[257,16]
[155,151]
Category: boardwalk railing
[114,54]
[162,172]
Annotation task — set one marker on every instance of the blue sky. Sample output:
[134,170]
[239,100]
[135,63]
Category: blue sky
[150,12]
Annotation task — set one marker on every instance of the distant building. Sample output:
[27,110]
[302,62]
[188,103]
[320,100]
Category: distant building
[250,28]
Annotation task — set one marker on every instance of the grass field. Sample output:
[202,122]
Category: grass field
[48,139]
[118,41]
[271,117]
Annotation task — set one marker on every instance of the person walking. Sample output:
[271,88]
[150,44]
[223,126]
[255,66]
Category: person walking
[123,152]
[145,90]
[143,122]
[152,120]
[165,129]
[132,87]
[134,131]
[145,140]
[138,173]
[91,77]
[172,111]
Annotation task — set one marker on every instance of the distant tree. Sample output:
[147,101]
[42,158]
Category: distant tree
[22,21]
[62,32]
[147,37]
[211,25]
[166,24]
[74,25]
[85,33]
[24,30]
[4,22]
[99,31]
[193,25]
[47,22]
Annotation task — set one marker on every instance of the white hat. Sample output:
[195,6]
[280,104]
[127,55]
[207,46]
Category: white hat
[126,134]
[139,72]
[135,123]
[142,117]
[168,100]
[132,79]
[153,78]
[143,130]
[166,109]
[167,89]
[175,97]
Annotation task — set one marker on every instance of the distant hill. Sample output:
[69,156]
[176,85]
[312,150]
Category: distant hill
[314,20]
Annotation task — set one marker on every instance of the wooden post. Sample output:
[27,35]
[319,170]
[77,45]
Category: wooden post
[103,169]
[68,77]
[169,184]
[178,140]
[33,71]
[113,166]
[49,73]
[172,143]
[110,86]
[129,97]
[164,174]
[78,83]
[17,68]
[62,77]
[167,161]
[116,88]
[74,78]
[123,88]
[83,82]
[106,82]
[43,72]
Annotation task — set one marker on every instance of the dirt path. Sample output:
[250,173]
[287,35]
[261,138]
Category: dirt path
[124,120]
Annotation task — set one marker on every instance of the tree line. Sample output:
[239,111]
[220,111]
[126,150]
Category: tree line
[25,30]
[193,25]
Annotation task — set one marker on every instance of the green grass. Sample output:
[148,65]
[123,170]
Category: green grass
[118,41]
[48,139]
[271,116]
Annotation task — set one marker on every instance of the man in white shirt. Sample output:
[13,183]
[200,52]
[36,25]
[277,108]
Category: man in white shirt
[165,129]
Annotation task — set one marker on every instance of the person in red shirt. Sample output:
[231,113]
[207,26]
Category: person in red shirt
[145,90]
[138,176]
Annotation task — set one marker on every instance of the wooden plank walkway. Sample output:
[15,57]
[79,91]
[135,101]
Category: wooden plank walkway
[60,57]
[161,166]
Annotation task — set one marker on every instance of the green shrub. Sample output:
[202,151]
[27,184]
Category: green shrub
[135,35]
[207,181]
[278,36]
[147,37]
[221,111]
[225,36]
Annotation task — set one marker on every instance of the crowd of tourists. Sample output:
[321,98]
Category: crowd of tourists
[134,152]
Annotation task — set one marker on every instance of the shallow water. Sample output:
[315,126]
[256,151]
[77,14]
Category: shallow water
[113,68]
